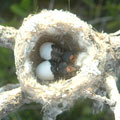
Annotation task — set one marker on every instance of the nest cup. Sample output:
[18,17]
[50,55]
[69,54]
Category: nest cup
[60,27]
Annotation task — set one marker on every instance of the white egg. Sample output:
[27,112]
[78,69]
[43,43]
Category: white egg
[43,71]
[45,50]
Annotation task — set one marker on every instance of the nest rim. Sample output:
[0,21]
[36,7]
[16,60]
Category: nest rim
[25,48]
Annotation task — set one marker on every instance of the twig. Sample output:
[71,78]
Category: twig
[99,98]
[51,4]
[10,101]
[100,20]
[116,33]
[7,37]
[114,95]
[9,87]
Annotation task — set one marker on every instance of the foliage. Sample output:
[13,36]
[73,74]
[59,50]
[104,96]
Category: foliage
[102,14]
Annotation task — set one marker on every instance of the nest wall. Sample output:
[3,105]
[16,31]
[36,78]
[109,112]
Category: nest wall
[69,32]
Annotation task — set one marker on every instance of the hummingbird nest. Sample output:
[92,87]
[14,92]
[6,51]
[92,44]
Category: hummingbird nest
[69,32]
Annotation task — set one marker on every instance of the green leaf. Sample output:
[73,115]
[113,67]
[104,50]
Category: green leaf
[15,8]
[26,4]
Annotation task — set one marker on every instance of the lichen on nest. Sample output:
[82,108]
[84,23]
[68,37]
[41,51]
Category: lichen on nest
[65,30]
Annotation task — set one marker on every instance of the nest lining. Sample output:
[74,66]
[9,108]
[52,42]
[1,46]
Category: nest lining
[65,30]
[66,43]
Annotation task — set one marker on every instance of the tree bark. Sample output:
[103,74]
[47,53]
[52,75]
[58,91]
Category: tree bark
[10,101]
[7,37]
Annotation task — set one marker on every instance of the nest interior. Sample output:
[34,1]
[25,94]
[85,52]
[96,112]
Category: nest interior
[66,42]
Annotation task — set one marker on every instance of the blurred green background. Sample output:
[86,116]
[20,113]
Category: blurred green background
[104,15]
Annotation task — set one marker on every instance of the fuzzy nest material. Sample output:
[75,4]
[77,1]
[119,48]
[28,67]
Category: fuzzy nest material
[67,31]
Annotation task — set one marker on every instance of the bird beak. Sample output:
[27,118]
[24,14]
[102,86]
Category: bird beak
[70,69]
[73,58]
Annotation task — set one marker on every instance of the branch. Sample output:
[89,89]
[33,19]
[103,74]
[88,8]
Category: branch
[116,33]
[99,98]
[7,37]
[9,87]
[100,20]
[114,95]
[11,100]
[51,4]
